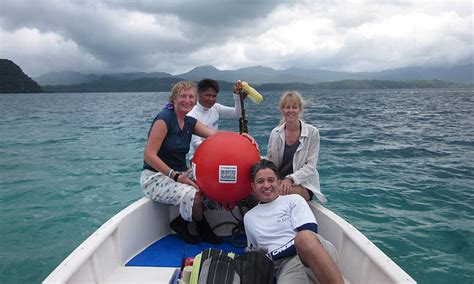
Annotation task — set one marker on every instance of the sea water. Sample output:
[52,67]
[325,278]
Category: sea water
[396,164]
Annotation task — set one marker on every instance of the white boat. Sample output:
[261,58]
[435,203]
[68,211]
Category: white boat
[104,256]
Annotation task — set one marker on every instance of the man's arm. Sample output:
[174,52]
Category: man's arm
[230,112]
[308,226]
[289,249]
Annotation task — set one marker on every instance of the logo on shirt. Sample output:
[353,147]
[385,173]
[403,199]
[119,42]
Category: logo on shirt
[281,249]
[283,218]
[227,174]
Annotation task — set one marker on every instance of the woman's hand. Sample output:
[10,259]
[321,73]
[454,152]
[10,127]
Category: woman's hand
[184,178]
[251,139]
[286,185]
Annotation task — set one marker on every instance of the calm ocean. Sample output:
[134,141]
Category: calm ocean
[397,164]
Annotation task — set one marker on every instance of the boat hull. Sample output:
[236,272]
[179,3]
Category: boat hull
[102,257]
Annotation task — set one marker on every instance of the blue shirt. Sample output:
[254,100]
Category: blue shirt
[175,146]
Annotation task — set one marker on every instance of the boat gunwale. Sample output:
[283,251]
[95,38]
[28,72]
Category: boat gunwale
[385,263]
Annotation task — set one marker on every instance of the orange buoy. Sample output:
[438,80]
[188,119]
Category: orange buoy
[221,167]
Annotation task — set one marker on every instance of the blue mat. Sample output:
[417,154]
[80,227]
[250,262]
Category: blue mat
[171,250]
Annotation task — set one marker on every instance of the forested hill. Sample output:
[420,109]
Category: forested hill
[165,84]
[366,84]
[13,80]
[117,85]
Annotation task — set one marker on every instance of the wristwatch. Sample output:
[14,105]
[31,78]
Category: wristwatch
[176,176]
[291,179]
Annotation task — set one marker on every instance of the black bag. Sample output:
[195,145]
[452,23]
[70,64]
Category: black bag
[253,267]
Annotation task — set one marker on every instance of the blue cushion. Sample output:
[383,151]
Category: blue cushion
[170,251]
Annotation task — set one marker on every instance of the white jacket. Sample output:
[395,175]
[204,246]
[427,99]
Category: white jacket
[305,159]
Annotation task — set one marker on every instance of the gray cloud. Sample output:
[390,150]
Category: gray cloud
[174,36]
[213,14]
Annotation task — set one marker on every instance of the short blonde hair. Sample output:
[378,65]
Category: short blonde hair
[292,96]
[178,87]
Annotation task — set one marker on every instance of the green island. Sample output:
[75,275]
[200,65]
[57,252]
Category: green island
[14,80]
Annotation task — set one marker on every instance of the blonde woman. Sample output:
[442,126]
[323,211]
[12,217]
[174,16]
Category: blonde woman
[294,147]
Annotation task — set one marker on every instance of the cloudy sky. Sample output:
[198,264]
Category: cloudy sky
[174,36]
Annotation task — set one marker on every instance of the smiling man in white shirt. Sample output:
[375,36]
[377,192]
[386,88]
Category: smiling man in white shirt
[285,228]
[208,111]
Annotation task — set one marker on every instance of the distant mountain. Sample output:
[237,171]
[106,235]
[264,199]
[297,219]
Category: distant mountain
[74,78]
[137,75]
[388,84]
[309,75]
[314,78]
[206,71]
[65,78]
[460,74]
[363,84]
[107,84]
[14,80]
[264,75]
[165,85]
[254,74]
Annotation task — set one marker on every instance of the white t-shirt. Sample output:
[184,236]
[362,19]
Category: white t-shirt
[210,118]
[270,226]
